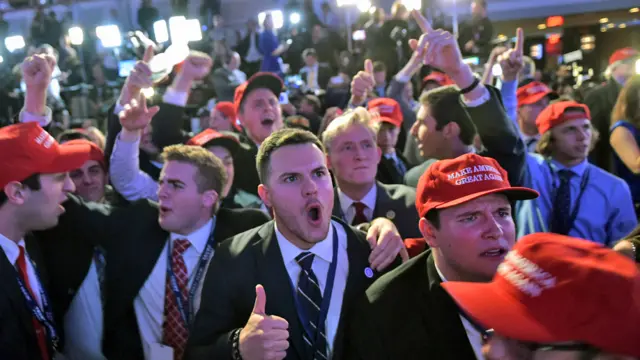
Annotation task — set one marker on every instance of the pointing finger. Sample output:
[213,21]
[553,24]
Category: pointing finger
[519,41]
[368,67]
[422,22]
[148,54]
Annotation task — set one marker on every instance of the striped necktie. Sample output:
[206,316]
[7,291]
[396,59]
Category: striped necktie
[310,299]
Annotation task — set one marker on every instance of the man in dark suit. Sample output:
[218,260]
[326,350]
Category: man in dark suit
[353,158]
[33,182]
[259,112]
[228,77]
[313,266]
[466,220]
[387,117]
[248,49]
[314,74]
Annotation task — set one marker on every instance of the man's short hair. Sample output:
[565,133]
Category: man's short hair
[379,66]
[446,107]
[358,116]
[211,174]
[277,140]
[309,52]
[315,102]
[72,134]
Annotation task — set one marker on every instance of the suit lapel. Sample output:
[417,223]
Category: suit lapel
[383,201]
[224,226]
[274,277]
[337,207]
[442,316]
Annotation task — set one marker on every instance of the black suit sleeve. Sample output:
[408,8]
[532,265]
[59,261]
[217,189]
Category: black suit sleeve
[167,126]
[500,137]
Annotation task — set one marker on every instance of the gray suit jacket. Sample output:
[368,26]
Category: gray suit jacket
[394,202]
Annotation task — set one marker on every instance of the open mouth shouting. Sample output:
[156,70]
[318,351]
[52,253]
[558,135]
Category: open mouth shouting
[267,122]
[497,253]
[313,211]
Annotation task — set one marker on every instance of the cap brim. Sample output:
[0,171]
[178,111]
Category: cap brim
[513,193]
[229,144]
[388,120]
[535,98]
[70,157]
[494,309]
[264,81]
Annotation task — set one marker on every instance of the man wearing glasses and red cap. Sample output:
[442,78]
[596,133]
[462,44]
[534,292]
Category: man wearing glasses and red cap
[465,218]
[577,198]
[602,99]
[387,115]
[556,297]
[34,182]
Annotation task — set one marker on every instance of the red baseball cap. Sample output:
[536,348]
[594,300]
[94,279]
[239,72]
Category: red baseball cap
[554,114]
[260,80]
[553,288]
[623,54]
[27,149]
[211,137]
[388,109]
[439,78]
[95,153]
[452,182]
[532,93]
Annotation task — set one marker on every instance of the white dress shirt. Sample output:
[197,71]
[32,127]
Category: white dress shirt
[474,336]
[253,54]
[349,211]
[312,76]
[323,252]
[83,323]
[149,304]
[12,251]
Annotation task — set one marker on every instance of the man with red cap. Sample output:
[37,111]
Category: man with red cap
[34,182]
[465,218]
[387,115]
[602,99]
[91,179]
[532,99]
[257,106]
[223,117]
[577,198]
[556,297]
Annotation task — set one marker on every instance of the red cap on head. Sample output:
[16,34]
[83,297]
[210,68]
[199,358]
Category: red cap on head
[623,54]
[211,137]
[27,149]
[532,93]
[554,114]
[228,109]
[553,288]
[388,109]
[95,153]
[261,80]
[453,182]
[441,79]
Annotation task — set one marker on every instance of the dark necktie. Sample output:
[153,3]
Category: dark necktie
[561,220]
[37,326]
[174,330]
[399,166]
[310,299]
[360,217]
[529,143]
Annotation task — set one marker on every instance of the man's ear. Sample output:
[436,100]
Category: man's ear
[263,192]
[15,193]
[328,162]
[210,198]
[451,130]
[428,232]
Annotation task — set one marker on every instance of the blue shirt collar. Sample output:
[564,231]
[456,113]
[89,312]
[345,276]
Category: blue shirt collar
[577,169]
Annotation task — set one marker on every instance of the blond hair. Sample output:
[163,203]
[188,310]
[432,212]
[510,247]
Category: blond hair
[211,174]
[544,146]
[358,116]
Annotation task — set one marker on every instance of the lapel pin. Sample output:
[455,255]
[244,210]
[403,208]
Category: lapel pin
[368,272]
[391,214]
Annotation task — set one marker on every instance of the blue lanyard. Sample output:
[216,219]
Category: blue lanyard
[326,297]
[187,310]
[45,318]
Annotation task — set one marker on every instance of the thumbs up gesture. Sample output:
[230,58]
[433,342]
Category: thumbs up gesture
[511,61]
[362,84]
[264,336]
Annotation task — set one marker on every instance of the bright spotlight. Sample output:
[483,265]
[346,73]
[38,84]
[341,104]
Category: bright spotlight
[1,59]
[109,35]
[76,35]
[638,66]
[363,5]
[161,31]
[192,30]
[294,18]
[412,4]
[276,15]
[13,43]
[176,24]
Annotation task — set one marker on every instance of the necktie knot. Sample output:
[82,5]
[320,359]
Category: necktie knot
[180,246]
[565,175]
[305,260]
[359,217]
[359,207]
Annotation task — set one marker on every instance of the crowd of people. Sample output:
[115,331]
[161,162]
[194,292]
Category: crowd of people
[467,223]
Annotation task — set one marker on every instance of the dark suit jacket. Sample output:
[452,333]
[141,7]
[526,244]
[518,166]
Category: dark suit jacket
[225,84]
[412,176]
[601,101]
[245,164]
[324,75]
[133,241]
[394,202]
[387,171]
[17,336]
[228,294]
[407,315]
[243,46]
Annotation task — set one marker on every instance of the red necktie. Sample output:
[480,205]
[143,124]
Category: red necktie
[175,332]
[360,216]
[37,326]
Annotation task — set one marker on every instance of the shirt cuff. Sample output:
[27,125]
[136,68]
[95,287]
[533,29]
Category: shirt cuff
[486,96]
[43,120]
[117,109]
[402,79]
[177,98]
